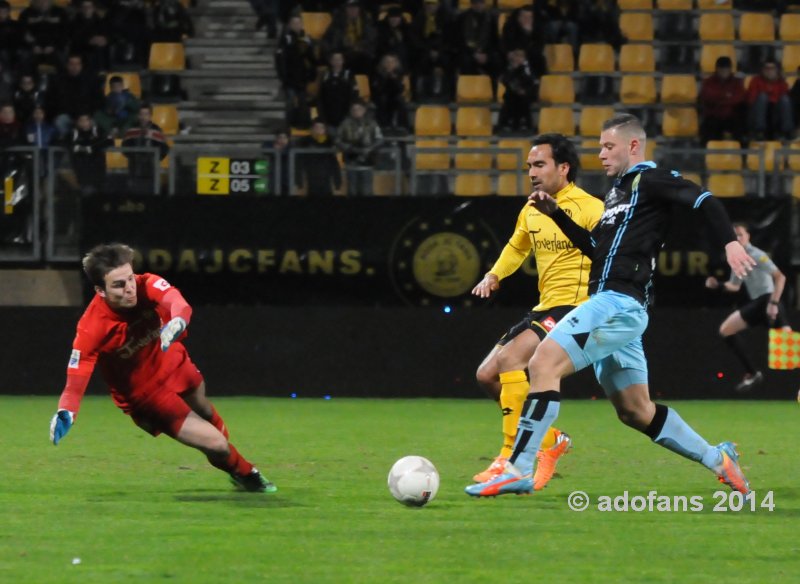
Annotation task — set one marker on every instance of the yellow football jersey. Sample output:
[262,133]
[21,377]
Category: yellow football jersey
[563,269]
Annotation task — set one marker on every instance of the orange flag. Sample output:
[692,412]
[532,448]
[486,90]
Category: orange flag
[784,349]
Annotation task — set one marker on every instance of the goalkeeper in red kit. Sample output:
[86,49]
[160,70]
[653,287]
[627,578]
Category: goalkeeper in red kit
[132,330]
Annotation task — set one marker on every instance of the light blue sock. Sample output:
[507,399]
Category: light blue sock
[677,436]
[538,414]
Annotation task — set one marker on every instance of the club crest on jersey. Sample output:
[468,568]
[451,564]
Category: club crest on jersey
[548,323]
[74,359]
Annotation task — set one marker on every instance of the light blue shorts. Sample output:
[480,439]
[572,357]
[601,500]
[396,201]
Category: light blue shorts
[606,331]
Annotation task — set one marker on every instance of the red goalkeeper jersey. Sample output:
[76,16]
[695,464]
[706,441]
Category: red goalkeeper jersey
[126,345]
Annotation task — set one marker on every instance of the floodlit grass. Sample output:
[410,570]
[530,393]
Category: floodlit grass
[137,509]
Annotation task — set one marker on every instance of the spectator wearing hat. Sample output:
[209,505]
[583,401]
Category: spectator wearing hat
[359,138]
[722,104]
[353,33]
[394,36]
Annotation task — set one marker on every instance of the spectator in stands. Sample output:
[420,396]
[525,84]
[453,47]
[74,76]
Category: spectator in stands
[38,131]
[432,71]
[87,148]
[142,165]
[794,96]
[297,67]
[10,37]
[6,84]
[172,22]
[121,109]
[127,26]
[267,13]
[394,36]
[722,104]
[352,32]
[10,136]
[560,18]
[337,91]
[520,84]
[359,138]
[44,29]
[770,115]
[523,31]
[73,91]
[318,170]
[26,97]
[387,91]
[89,37]
[476,40]
[278,150]
[599,23]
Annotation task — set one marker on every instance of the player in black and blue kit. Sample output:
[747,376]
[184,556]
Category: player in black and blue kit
[606,331]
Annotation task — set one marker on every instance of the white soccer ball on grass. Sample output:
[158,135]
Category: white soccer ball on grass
[413,481]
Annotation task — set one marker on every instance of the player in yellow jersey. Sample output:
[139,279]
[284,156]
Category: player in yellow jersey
[563,280]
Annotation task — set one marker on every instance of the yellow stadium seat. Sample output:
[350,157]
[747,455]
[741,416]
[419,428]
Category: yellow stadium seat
[756,27]
[557,119]
[679,122]
[316,23]
[791,58]
[714,4]
[116,160]
[635,4]
[432,120]
[723,161]
[513,184]
[592,118]
[637,26]
[512,4]
[474,88]
[167,57]
[693,176]
[510,161]
[362,83]
[674,4]
[501,91]
[166,116]
[789,28]
[164,165]
[473,185]
[432,160]
[726,185]
[556,89]
[637,89]
[560,58]
[589,155]
[716,27]
[796,187]
[596,58]
[130,81]
[793,158]
[637,59]
[473,160]
[710,53]
[473,121]
[771,161]
[678,89]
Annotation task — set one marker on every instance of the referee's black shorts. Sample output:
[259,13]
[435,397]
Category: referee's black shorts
[754,313]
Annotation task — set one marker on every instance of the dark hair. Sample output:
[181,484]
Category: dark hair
[103,258]
[742,224]
[115,79]
[626,121]
[563,151]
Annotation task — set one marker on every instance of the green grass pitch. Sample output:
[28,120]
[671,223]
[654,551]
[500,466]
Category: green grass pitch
[144,510]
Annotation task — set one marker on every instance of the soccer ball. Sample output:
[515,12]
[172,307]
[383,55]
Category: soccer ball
[413,481]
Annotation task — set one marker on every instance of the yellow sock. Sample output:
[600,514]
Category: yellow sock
[549,439]
[515,388]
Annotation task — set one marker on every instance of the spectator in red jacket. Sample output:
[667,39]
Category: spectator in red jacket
[770,114]
[722,104]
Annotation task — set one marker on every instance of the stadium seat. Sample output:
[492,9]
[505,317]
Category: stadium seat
[723,161]
[793,158]
[789,28]
[589,151]
[510,161]
[166,116]
[362,83]
[710,53]
[714,4]
[512,4]
[637,26]
[432,120]
[592,118]
[637,89]
[791,58]
[756,27]
[473,160]
[432,160]
[130,81]
[678,89]
[556,89]
[635,4]
[679,122]
[473,185]
[116,160]
[596,58]
[473,121]
[694,177]
[674,5]
[771,161]
[560,58]
[726,185]
[513,184]
[557,119]
[167,57]
[637,59]
[796,187]
[316,23]
[474,89]
[716,27]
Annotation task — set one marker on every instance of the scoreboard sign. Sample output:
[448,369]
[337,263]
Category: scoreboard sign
[223,176]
